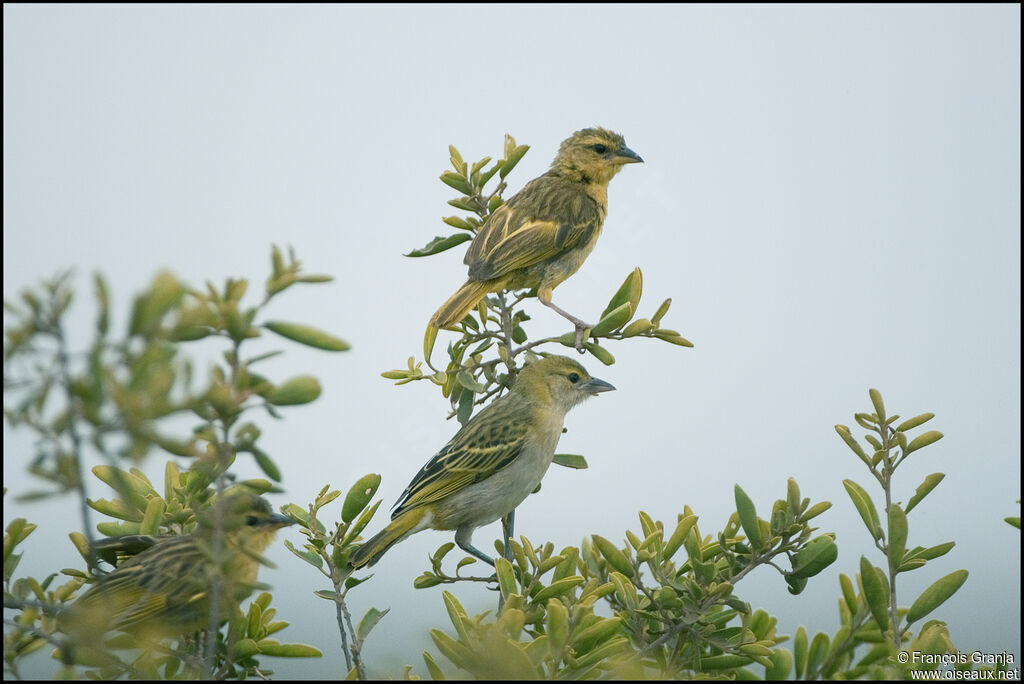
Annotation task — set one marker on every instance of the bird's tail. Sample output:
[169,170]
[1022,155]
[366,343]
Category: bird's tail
[460,303]
[397,530]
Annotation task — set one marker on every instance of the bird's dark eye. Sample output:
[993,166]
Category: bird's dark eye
[251,520]
[600,149]
[573,377]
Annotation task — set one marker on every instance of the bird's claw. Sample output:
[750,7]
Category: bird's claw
[581,328]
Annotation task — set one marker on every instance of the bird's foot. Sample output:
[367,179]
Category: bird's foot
[581,328]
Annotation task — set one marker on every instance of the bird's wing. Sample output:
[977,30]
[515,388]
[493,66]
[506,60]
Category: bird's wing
[538,224]
[161,581]
[489,442]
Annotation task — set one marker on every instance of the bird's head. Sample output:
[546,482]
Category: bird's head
[593,155]
[248,519]
[560,380]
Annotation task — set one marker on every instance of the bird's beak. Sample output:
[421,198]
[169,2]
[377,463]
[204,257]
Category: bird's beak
[596,386]
[624,155]
[277,521]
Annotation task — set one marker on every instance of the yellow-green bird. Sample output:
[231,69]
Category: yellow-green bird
[543,234]
[494,462]
[161,585]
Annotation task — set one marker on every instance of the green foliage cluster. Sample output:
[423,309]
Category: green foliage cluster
[329,554]
[114,402]
[670,593]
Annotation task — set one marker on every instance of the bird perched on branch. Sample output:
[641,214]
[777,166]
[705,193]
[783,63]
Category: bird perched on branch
[161,586]
[543,234]
[494,462]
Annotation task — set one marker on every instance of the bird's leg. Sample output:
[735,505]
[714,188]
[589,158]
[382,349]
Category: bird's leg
[544,295]
[508,525]
[462,538]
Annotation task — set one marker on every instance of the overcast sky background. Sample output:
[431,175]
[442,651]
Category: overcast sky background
[830,196]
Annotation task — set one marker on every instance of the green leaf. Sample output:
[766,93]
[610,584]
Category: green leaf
[135,490]
[457,163]
[310,557]
[103,302]
[245,648]
[466,380]
[849,593]
[930,483]
[865,506]
[506,577]
[583,640]
[876,592]
[935,595]
[876,400]
[307,335]
[557,588]
[854,445]
[815,510]
[570,461]
[432,668]
[748,516]
[613,320]
[440,244]
[672,337]
[456,222]
[911,564]
[816,654]
[287,650]
[266,464]
[295,391]
[914,422]
[629,292]
[369,621]
[116,509]
[800,652]
[637,327]
[934,551]
[727,661]
[360,524]
[817,555]
[600,353]
[683,528]
[557,626]
[897,533]
[456,613]
[782,663]
[465,409]
[922,441]
[614,556]
[662,310]
[456,182]
[512,159]
[359,496]
[796,584]
[426,580]
[153,517]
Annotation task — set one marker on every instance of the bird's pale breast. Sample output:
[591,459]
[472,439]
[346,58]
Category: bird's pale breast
[486,501]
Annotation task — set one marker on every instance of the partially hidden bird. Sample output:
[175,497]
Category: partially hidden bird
[162,584]
[493,463]
[543,234]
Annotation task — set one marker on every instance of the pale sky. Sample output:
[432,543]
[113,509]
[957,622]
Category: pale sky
[830,195]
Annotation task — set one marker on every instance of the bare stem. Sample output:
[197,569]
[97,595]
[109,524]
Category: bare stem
[76,440]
